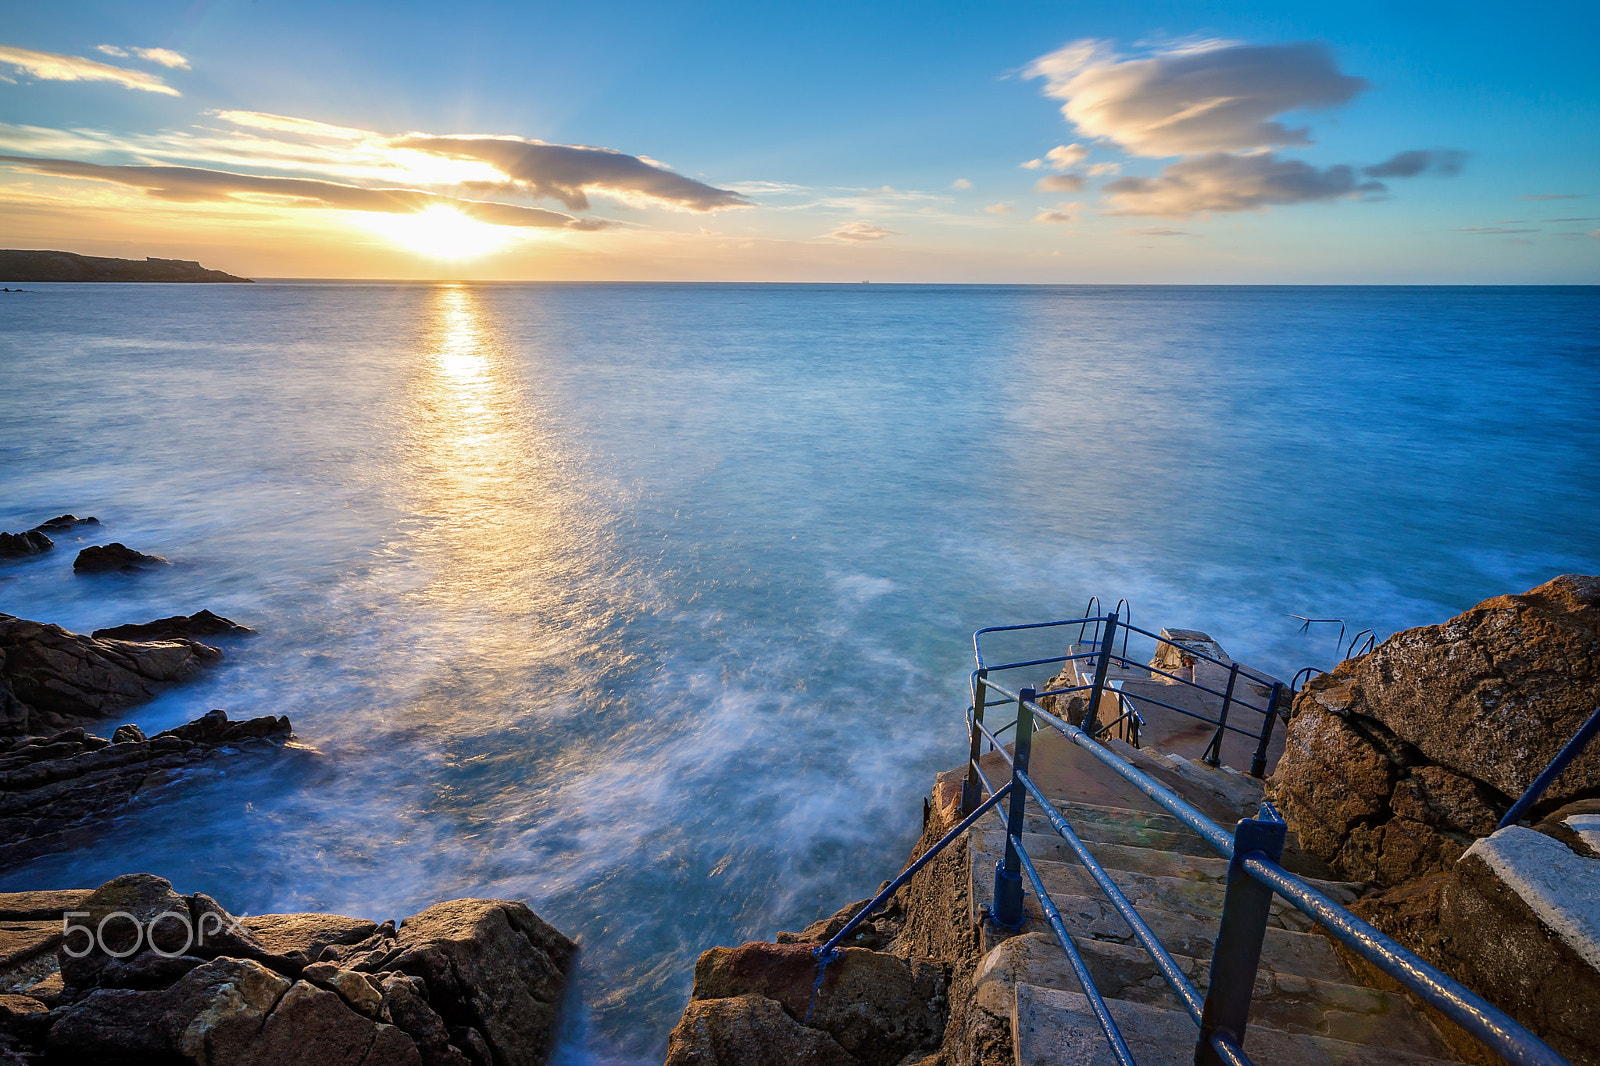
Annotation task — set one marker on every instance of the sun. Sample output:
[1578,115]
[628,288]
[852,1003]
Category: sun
[439,232]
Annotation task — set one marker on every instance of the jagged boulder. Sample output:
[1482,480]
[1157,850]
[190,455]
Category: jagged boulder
[53,679]
[101,558]
[1397,760]
[877,1007]
[177,627]
[18,545]
[749,1031]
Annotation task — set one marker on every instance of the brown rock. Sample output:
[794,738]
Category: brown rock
[749,1030]
[177,627]
[58,678]
[306,934]
[1330,779]
[406,1004]
[492,965]
[100,558]
[878,1007]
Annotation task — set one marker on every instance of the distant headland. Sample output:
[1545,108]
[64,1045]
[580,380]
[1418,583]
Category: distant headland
[25,265]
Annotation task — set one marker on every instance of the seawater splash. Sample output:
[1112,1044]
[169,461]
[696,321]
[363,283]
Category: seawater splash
[650,604]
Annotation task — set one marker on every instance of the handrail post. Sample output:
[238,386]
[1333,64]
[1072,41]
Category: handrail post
[970,791]
[1236,953]
[1007,909]
[1091,718]
[1213,753]
[1258,762]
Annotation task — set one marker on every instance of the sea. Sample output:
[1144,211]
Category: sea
[651,605]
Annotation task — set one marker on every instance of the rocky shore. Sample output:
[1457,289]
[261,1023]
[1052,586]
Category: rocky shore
[29,265]
[1398,765]
[135,973]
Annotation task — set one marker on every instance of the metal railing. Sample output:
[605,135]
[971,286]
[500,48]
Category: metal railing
[1569,751]
[1253,850]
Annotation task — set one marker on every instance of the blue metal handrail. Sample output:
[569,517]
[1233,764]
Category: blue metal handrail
[1253,856]
[1569,751]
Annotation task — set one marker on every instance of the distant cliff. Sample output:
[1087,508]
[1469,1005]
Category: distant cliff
[18,265]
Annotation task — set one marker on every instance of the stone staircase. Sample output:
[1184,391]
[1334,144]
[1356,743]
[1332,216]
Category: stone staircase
[1308,1008]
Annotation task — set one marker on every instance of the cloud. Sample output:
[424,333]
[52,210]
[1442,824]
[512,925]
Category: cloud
[1492,230]
[1207,97]
[1444,162]
[998,209]
[1552,196]
[302,127]
[1224,183]
[165,56]
[1062,214]
[961,183]
[1060,183]
[195,185]
[567,172]
[860,231]
[48,66]
[1156,231]
[1061,157]
[1097,170]
[1595,233]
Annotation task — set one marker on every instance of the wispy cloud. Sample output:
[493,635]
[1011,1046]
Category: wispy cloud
[1061,214]
[195,185]
[1492,230]
[1552,196]
[1209,96]
[568,172]
[1156,231]
[165,56]
[1061,157]
[300,127]
[961,183]
[1223,183]
[1444,162]
[48,66]
[1060,183]
[998,209]
[860,231]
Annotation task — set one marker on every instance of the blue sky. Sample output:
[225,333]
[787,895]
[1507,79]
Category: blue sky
[884,142]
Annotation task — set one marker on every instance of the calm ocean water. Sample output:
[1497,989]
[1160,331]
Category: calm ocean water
[650,604]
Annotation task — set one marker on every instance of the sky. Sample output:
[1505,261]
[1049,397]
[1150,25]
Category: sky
[1142,142]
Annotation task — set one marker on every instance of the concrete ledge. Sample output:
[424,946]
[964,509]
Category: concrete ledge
[1561,888]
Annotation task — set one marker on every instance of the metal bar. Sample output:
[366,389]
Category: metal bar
[969,790]
[906,874]
[1007,910]
[1493,1026]
[1042,662]
[1569,751]
[1147,938]
[1236,952]
[1258,761]
[1092,715]
[977,648]
[1212,833]
[1213,754]
[1097,1003]
[1191,714]
[1228,1051]
[1197,654]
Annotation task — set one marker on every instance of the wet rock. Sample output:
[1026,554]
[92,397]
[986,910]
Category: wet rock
[62,523]
[177,627]
[128,734]
[116,556]
[306,934]
[1397,760]
[19,545]
[51,678]
[53,785]
[405,1001]
[878,1007]
[749,1030]
[492,965]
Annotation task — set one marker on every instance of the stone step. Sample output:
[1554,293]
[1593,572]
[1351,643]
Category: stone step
[1052,1027]
[1052,848]
[1194,896]
[1286,1002]
[1181,840]
[1283,951]
[1238,791]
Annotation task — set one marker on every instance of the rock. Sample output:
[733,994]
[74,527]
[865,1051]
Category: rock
[878,1007]
[357,990]
[50,786]
[405,1003]
[492,965]
[1397,760]
[1519,921]
[177,627]
[99,558]
[51,678]
[62,523]
[306,934]
[18,545]
[749,1030]
[128,734]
